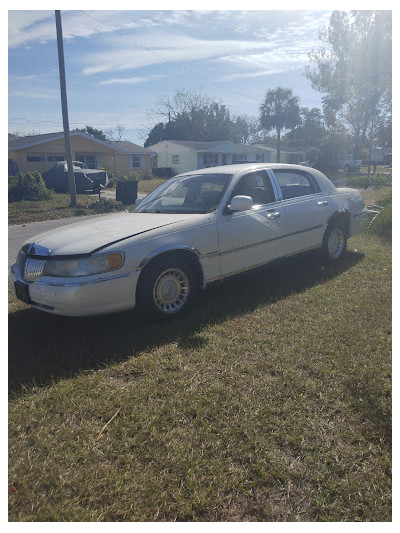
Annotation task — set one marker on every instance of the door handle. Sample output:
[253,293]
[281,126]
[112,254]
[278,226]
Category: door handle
[274,214]
[321,204]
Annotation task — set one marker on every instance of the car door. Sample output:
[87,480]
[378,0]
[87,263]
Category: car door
[253,237]
[305,206]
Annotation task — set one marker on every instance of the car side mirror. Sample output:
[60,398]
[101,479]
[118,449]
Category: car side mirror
[240,203]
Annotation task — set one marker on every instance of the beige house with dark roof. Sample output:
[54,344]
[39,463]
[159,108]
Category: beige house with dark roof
[290,155]
[183,156]
[41,152]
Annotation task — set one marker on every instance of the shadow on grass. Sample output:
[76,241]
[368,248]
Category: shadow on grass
[44,348]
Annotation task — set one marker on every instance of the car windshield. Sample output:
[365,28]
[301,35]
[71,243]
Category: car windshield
[196,193]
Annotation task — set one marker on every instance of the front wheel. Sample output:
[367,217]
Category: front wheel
[166,288]
[335,242]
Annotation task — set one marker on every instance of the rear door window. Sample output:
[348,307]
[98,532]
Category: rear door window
[295,183]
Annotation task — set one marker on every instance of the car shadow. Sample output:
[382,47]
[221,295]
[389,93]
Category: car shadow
[44,348]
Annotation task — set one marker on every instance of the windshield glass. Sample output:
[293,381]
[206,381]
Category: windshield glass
[197,193]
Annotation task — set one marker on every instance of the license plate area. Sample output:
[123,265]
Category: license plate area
[22,292]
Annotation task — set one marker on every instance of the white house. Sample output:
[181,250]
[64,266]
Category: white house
[184,156]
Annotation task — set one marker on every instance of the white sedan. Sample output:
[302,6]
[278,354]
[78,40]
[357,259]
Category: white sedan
[194,229]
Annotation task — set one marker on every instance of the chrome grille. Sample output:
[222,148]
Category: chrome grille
[34,269]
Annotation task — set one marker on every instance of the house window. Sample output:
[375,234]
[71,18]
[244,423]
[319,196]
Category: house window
[237,158]
[175,159]
[35,157]
[210,160]
[55,158]
[259,157]
[136,161]
[88,159]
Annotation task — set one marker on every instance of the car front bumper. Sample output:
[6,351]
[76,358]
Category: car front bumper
[77,297]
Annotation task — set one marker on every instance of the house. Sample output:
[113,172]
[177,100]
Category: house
[184,156]
[41,152]
[290,155]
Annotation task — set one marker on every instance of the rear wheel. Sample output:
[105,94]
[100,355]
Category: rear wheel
[166,288]
[335,241]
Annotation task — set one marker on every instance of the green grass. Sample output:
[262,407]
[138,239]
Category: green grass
[269,401]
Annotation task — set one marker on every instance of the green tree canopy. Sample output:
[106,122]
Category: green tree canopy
[98,134]
[279,111]
[192,116]
[310,131]
[353,69]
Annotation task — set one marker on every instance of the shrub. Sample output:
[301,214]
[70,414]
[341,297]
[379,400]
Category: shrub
[382,224]
[28,186]
[365,181]
[132,176]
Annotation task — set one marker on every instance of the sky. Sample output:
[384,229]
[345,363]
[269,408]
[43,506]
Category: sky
[120,63]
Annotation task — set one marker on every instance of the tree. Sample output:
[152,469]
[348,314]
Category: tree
[98,134]
[353,69]
[115,134]
[280,110]
[246,129]
[310,131]
[192,116]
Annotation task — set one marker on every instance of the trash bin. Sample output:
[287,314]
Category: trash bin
[126,192]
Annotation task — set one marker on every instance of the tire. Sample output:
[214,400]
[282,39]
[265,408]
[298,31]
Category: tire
[335,241]
[166,288]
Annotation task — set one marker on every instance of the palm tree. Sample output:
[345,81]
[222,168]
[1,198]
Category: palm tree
[279,111]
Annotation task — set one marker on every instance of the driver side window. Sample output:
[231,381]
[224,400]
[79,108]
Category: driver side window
[256,185]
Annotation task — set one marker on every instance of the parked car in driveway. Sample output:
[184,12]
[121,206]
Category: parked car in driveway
[195,228]
[86,179]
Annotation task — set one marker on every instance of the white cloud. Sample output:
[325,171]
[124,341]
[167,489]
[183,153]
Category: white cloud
[130,81]
[163,49]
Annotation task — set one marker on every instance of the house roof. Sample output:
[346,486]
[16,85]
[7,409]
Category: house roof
[287,149]
[19,143]
[208,146]
[131,148]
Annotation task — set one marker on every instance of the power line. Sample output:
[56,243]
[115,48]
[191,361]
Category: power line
[55,122]
[164,59]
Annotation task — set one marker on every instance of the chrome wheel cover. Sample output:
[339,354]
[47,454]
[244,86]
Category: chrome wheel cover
[336,243]
[171,290]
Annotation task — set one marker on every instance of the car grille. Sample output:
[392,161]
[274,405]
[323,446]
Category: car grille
[34,268]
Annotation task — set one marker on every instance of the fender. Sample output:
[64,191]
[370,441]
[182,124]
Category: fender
[340,213]
[169,248]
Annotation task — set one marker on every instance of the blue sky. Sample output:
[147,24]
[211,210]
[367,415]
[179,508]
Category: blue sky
[118,63]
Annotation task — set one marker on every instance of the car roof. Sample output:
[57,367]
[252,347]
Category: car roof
[245,167]
[233,169]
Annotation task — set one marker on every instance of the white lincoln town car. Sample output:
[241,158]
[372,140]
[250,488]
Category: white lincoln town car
[195,228]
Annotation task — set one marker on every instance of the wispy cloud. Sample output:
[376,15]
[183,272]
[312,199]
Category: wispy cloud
[163,49]
[131,81]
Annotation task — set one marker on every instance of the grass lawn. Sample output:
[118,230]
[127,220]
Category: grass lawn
[269,401]
[59,205]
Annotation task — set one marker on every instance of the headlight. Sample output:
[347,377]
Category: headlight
[86,266]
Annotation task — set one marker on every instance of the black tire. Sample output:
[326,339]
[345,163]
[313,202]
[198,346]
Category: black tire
[166,288]
[334,244]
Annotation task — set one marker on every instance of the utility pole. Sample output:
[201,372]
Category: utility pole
[64,105]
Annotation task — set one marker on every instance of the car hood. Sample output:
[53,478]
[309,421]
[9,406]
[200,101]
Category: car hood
[88,236]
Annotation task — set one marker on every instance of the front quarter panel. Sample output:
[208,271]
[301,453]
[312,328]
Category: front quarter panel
[199,233]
